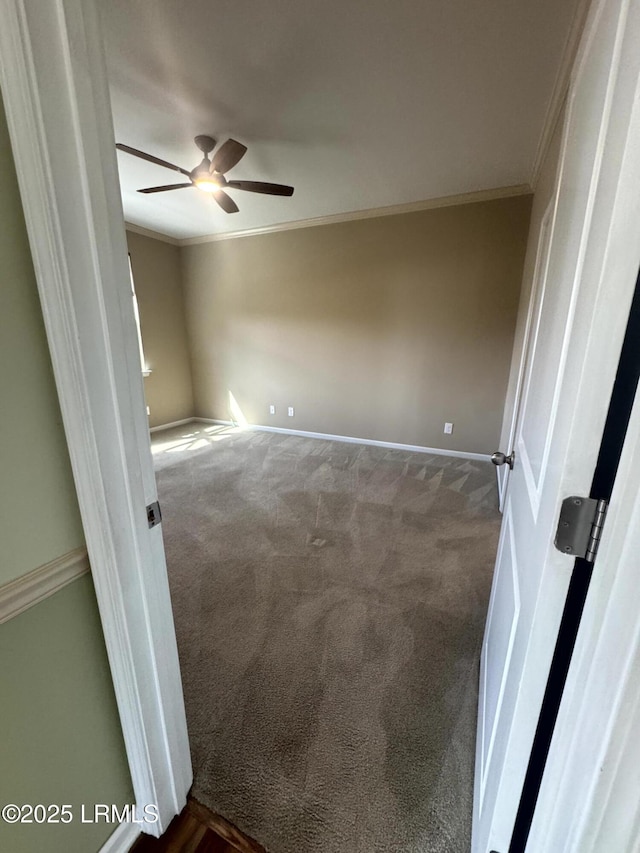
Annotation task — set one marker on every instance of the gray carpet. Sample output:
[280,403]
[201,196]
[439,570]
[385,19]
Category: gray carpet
[329,602]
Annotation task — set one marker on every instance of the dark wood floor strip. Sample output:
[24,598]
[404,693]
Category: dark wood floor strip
[223,828]
[197,830]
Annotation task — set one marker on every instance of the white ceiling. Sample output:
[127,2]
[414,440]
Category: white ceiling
[358,104]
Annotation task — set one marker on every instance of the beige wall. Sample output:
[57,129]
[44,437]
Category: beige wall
[382,328]
[541,199]
[158,283]
[61,739]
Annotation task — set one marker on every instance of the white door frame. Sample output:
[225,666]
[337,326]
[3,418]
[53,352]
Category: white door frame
[55,92]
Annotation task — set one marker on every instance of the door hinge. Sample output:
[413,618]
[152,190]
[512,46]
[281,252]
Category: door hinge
[580,527]
[154,516]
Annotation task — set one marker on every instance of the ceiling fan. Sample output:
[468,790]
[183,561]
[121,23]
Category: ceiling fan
[209,175]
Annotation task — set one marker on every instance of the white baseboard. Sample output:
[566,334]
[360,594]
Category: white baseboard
[23,592]
[172,424]
[122,839]
[414,448]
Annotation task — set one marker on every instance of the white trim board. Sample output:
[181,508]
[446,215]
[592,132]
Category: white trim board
[121,839]
[372,213]
[171,424]
[391,445]
[23,592]
[154,235]
[350,216]
[560,88]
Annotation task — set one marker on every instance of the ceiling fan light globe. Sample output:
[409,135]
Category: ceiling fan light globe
[207,185]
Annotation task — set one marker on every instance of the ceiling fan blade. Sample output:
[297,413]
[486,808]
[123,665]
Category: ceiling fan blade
[261,187]
[165,188]
[225,202]
[226,157]
[129,150]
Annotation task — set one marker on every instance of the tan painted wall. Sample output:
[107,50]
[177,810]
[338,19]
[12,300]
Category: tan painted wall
[382,328]
[158,282]
[541,199]
[61,739]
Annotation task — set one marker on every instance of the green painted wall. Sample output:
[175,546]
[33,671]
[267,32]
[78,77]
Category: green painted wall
[39,517]
[61,740]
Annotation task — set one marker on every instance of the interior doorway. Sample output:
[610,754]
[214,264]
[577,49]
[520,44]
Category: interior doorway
[94,351]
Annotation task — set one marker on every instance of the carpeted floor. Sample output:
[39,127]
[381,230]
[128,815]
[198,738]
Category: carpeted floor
[329,601]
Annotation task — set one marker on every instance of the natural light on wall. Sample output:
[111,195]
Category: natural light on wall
[136,313]
[236,412]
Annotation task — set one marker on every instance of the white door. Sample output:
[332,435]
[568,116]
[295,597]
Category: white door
[538,278]
[578,319]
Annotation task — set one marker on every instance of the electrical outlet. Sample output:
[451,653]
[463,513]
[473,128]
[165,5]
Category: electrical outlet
[448,428]
[148,410]
[272,409]
[290,411]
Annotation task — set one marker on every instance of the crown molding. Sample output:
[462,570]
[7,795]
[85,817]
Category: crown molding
[371,213]
[560,88]
[154,235]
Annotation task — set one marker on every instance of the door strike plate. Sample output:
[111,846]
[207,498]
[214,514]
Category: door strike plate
[154,516]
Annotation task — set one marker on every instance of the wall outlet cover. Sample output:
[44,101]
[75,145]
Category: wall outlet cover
[448,428]
[272,409]
[290,411]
